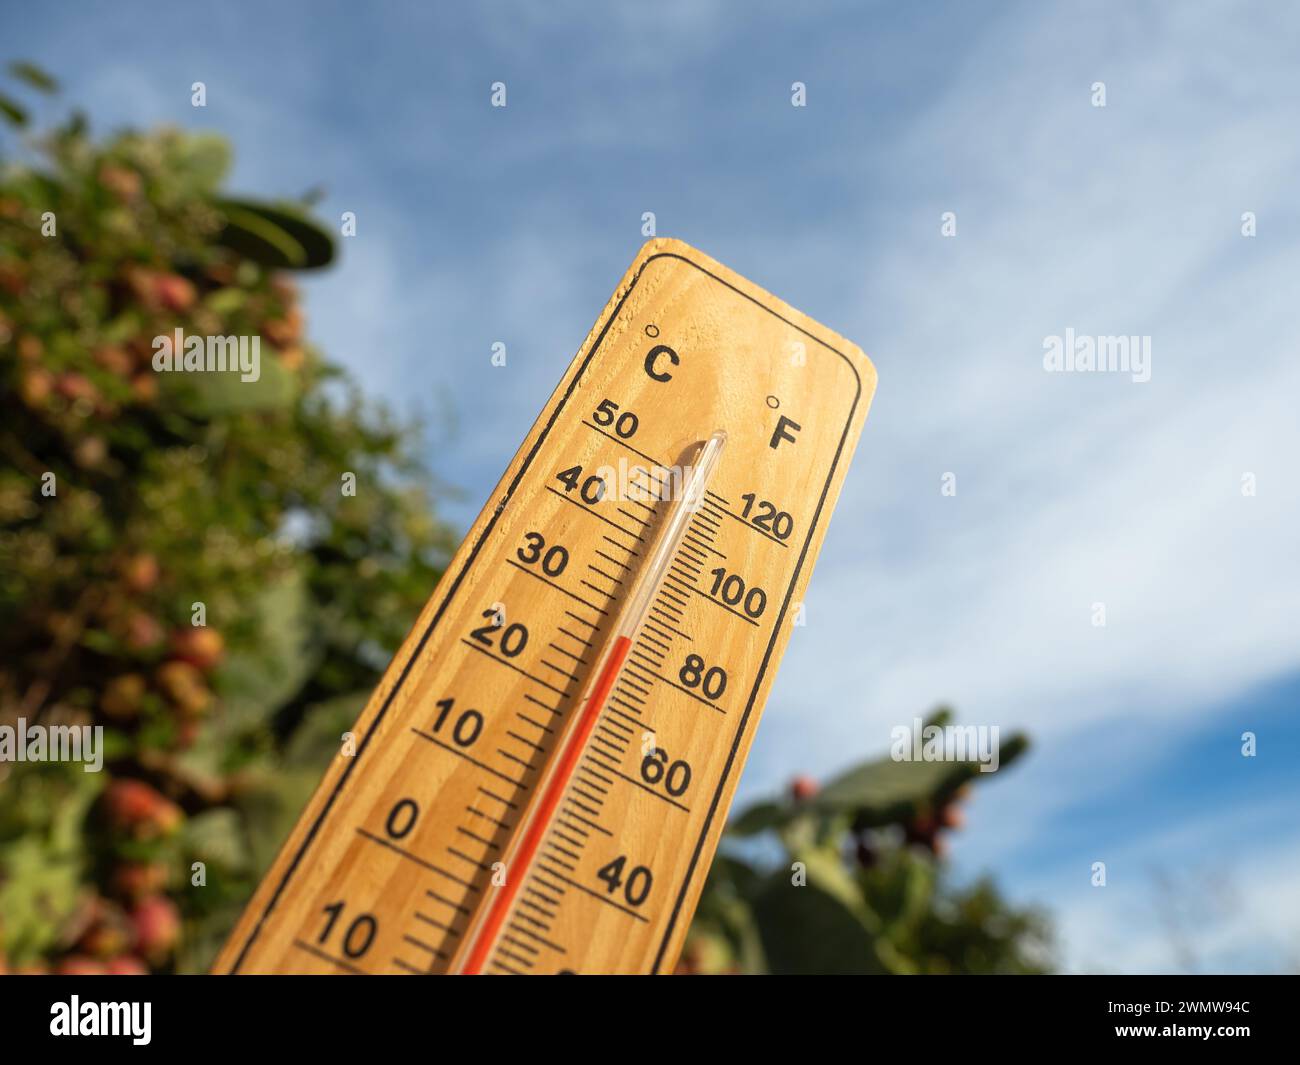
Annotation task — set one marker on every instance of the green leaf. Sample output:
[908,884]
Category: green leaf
[14,112]
[820,928]
[216,837]
[255,683]
[737,877]
[278,237]
[76,125]
[876,793]
[68,819]
[220,393]
[202,939]
[724,930]
[940,716]
[320,735]
[41,869]
[38,893]
[227,301]
[204,158]
[761,817]
[117,744]
[269,808]
[34,76]
[918,880]
[883,791]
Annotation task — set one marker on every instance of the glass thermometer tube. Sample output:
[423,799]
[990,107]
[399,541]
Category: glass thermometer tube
[499,909]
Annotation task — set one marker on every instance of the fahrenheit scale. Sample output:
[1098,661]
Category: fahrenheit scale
[540,780]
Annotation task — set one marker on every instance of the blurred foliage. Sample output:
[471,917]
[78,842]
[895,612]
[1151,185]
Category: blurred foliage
[180,489]
[173,490]
[861,887]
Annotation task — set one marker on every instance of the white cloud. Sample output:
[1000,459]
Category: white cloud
[1169,906]
[1071,489]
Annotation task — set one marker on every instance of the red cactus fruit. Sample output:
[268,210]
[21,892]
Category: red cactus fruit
[135,807]
[803,787]
[200,646]
[157,925]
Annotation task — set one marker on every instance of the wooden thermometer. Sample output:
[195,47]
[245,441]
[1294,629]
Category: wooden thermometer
[540,780]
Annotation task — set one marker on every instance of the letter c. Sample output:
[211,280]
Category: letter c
[650,359]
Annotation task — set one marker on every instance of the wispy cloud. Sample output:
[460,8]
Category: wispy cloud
[1169,906]
[1070,490]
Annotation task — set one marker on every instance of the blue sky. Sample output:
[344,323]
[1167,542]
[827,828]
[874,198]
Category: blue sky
[478,225]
